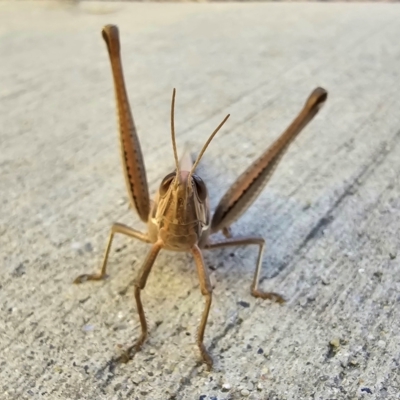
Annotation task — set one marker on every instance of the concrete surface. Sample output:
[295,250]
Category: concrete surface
[330,215]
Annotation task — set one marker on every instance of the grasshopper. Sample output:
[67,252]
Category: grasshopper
[179,219]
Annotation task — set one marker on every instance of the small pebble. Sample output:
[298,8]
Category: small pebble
[377,274]
[335,343]
[226,387]
[88,328]
[303,302]
[311,297]
[325,280]
[88,247]
[19,271]
[366,390]
[152,352]
[381,344]
[244,392]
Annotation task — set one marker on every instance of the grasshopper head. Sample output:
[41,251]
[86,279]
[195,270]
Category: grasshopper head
[182,203]
[183,199]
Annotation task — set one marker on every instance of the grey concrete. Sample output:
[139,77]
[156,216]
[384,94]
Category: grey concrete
[330,215]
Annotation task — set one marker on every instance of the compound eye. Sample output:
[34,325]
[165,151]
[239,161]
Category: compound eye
[166,183]
[200,188]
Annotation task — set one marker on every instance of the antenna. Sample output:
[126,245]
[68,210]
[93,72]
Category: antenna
[173,131]
[206,145]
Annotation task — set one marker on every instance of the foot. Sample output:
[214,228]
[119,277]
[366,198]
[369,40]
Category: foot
[205,356]
[227,232]
[89,277]
[130,352]
[268,295]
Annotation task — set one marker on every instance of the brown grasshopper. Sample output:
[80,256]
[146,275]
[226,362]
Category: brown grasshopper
[179,218]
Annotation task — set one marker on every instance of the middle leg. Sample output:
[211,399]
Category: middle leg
[206,290]
[245,241]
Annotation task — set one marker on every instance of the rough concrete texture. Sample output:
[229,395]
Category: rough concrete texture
[330,215]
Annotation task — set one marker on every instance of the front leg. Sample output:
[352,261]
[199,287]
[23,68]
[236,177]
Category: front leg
[140,283]
[116,228]
[206,291]
[246,241]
